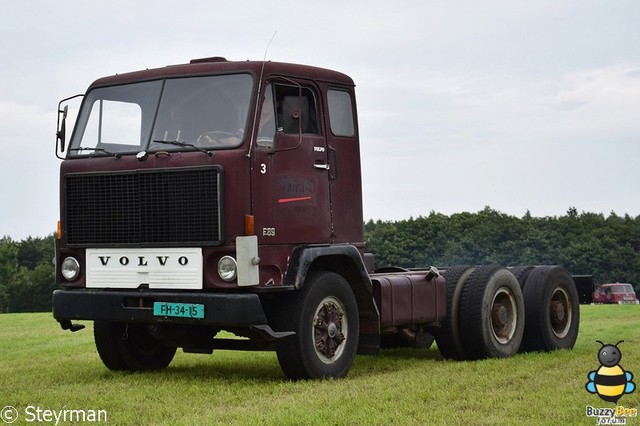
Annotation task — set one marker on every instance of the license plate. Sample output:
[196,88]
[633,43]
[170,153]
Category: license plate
[182,310]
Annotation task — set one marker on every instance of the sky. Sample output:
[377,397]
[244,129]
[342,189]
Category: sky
[523,106]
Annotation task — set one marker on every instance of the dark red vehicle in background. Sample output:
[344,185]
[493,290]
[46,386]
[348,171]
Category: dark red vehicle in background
[220,196]
[620,293]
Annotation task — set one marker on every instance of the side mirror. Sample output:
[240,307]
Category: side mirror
[61,127]
[292,123]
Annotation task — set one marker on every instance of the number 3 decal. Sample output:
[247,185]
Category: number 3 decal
[263,168]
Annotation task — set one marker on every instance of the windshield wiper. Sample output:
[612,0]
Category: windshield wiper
[185,145]
[115,154]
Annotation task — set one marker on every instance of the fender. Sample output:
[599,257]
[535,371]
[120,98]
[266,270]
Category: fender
[304,258]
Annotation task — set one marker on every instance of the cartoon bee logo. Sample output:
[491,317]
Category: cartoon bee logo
[610,381]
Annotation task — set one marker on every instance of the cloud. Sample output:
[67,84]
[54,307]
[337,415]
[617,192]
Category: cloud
[512,142]
[517,105]
[29,171]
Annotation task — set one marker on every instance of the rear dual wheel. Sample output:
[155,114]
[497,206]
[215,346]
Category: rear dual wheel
[553,310]
[521,273]
[491,314]
[485,314]
[448,336]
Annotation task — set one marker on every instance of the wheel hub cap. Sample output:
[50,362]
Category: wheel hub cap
[504,315]
[328,333]
[500,315]
[560,313]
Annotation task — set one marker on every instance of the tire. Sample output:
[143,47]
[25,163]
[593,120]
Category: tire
[521,273]
[552,308]
[492,314]
[130,347]
[324,316]
[448,336]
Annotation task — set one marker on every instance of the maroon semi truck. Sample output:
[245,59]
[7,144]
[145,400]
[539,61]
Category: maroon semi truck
[218,205]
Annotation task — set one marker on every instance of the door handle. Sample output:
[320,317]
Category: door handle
[321,166]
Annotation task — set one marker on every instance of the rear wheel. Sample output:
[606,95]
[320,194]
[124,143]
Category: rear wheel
[124,346]
[521,273]
[324,317]
[553,311]
[448,336]
[491,314]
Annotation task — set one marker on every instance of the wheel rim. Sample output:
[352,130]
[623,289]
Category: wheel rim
[504,315]
[330,330]
[560,313]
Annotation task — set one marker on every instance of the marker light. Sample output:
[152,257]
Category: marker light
[249,225]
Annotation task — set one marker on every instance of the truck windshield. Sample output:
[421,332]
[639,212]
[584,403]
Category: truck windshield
[175,114]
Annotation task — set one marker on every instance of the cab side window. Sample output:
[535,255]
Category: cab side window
[341,113]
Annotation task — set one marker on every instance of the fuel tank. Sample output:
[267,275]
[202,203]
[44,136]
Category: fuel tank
[409,297]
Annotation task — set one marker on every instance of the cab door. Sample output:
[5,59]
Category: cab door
[290,168]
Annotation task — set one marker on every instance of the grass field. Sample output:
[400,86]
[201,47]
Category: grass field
[47,368]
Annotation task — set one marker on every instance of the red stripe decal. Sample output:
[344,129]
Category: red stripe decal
[292,200]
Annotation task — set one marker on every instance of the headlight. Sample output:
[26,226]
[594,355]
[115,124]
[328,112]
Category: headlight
[227,268]
[70,269]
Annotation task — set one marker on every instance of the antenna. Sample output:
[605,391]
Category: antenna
[269,44]
[255,112]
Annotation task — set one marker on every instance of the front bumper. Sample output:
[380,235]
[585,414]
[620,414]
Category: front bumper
[221,310]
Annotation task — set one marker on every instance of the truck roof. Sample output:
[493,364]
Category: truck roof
[219,65]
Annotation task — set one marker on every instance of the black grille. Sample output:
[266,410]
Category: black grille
[152,208]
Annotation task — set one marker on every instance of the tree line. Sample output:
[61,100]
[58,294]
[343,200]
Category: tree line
[585,243]
[26,274]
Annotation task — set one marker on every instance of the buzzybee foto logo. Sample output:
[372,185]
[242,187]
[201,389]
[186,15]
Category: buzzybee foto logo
[610,382]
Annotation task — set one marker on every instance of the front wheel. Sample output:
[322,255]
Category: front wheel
[124,346]
[324,317]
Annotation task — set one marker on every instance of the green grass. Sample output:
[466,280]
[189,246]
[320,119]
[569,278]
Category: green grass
[43,366]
